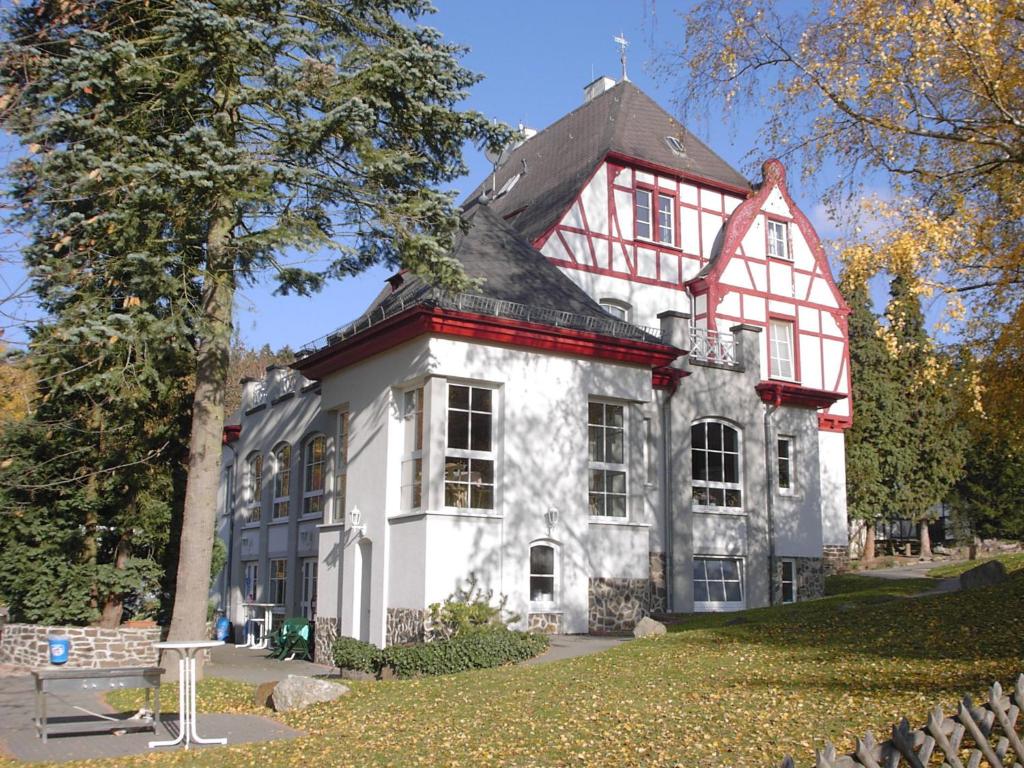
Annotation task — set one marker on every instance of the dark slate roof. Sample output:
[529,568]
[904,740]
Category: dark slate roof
[508,267]
[560,159]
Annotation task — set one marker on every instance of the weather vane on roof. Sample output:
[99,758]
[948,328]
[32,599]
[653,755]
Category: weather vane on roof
[623,43]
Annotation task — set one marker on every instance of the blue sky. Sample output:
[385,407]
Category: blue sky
[535,58]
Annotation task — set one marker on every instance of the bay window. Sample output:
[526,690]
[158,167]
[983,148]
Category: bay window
[469,456]
[412,461]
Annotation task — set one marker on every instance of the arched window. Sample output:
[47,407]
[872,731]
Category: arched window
[282,480]
[314,475]
[543,575]
[717,470]
[254,488]
[617,309]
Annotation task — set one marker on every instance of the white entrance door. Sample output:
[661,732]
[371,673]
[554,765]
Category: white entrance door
[309,588]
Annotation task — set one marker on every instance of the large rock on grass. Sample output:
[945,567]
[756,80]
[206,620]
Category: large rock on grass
[985,575]
[648,627]
[299,692]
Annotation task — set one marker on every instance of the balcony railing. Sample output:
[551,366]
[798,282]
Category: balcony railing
[275,385]
[715,347]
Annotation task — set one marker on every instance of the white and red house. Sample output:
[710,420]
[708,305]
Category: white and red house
[640,408]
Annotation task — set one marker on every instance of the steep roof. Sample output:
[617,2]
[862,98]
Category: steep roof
[508,268]
[560,159]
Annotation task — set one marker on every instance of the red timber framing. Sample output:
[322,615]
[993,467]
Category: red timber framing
[420,321]
[573,243]
[782,393]
[814,322]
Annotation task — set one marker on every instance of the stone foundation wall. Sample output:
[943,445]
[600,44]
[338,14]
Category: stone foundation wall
[405,625]
[810,578]
[836,559]
[616,605]
[325,631]
[26,645]
[658,599]
[544,623]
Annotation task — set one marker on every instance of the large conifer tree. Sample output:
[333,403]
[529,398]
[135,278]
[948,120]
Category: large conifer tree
[212,139]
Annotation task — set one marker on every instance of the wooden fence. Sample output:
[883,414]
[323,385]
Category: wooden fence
[975,736]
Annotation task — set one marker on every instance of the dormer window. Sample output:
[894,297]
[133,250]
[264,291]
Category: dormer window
[676,145]
[778,240]
[617,309]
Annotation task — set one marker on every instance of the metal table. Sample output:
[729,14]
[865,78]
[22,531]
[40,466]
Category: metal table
[187,651]
[267,624]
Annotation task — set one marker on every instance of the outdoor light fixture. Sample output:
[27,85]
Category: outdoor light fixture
[551,517]
[355,520]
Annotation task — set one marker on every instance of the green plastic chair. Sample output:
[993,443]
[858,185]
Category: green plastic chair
[291,640]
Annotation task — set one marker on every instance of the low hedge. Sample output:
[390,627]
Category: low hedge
[349,653]
[489,646]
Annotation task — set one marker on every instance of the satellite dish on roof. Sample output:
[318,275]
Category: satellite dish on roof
[492,155]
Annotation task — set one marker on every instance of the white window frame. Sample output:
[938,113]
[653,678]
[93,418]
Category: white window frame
[308,575]
[281,508]
[653,222]
[789,460]
[474,457]
[555,575]
[783,581]
[253,489]
[278,584]
[725,486]
[412,460]
[617,308]
[671,213]
[337,508]
[649,221]
[313,495]
[777,233]
[251,578]
[725,605]
[601,464]
[781,349]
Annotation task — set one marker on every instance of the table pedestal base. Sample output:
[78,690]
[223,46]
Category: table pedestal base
[187,706]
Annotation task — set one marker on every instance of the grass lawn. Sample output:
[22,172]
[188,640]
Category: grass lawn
[1013,562]
[733,690]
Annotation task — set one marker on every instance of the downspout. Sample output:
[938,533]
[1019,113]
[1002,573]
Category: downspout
[666,493]
[769,409]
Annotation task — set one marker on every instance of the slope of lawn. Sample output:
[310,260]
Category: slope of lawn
[735,690]
[1013,562]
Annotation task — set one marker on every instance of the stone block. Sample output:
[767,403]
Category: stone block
[985,575]
[648,627]
[298,692]
[261,697]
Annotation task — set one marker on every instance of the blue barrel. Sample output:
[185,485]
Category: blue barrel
[59,649]
[223,628]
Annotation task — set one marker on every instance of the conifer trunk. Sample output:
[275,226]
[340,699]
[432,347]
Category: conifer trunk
[113,605]
[926,539]
[188,619]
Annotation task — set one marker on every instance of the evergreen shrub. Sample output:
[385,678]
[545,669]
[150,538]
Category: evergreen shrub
[486,647]
[350,653]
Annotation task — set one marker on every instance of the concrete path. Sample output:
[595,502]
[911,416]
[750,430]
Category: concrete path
[918,570]
[73,735]
[245,665]
[570,646]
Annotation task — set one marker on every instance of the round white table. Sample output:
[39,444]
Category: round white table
[268,620]
[187,651]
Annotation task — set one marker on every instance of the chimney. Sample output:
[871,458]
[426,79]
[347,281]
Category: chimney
[592,90]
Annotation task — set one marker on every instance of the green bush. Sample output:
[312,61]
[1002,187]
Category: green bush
[350,653]
[489,646]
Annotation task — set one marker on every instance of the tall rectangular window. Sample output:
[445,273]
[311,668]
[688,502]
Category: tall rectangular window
[780,353]
[606,431]
[278,581]
[229,491]
[341,475]
[784,450]
[251,589]
[282,480]
[666,219]
[778,240]
[412,462]
[715,456]
[643,214]
[254,489]
[309,574]
[788,581]
[542,574]
[315,459]
[469,458]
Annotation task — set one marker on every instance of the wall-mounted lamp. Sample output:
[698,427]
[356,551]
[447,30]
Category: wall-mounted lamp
[551,517]
[355,521]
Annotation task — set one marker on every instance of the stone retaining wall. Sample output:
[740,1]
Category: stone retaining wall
[544,623]
[836,559]
[616,605]
[405,625]
[325,631]
[26,645]
[810,578]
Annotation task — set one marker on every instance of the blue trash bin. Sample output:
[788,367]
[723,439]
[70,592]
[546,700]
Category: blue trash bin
[223,628]
[60,647]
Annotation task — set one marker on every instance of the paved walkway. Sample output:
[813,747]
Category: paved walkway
[918,570]
[93,738]
[245,665]
[570,646]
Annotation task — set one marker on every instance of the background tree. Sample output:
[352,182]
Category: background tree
[931,438]
[246,363]
[872,443]
[246,130]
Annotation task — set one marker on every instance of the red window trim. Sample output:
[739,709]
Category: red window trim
[655,192]
[789,238]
